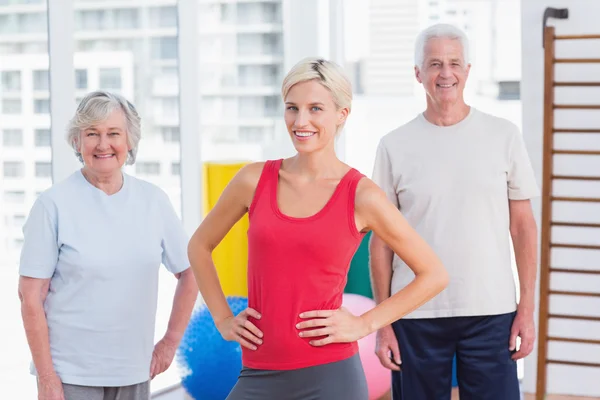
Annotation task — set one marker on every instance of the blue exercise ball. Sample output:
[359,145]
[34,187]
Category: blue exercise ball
[209,364]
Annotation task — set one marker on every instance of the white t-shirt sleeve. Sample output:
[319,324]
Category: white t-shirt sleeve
[521,178]
[39,254]
[382,174]
[174,241]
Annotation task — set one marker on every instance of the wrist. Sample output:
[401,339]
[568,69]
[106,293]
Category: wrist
[46,374]
[173,337]
[525,307]
[366,325]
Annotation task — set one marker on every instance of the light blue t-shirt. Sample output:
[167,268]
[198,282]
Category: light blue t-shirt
[102,253]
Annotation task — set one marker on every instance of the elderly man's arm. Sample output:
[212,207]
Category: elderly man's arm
[183,304]
[523,231]
[32,293]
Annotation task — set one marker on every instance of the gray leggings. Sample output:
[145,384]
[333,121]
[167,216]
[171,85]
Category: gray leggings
[140,391]
[341,380]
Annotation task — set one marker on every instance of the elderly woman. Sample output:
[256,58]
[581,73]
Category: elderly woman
[89,267]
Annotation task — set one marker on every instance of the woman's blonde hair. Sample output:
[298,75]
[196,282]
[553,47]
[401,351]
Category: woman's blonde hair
[328,74]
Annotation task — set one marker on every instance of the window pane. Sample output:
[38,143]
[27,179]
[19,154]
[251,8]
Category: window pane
[11,81]
[42,138]
[11,106]
[41,106]
[41,80]
[14,169]
[81,79]
[23,76]
[43,170]
[12,137]
[110,78]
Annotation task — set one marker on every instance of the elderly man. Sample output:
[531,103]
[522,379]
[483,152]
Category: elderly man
[464,181]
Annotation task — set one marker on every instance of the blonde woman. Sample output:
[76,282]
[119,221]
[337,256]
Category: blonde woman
[308,215]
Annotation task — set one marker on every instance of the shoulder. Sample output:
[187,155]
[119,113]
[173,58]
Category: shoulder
[402,132]
[62,193]
[144,189]
[368,194]
[250,174]
[496,125]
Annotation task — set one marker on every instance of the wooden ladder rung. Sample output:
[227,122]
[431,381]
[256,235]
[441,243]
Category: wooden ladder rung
[578,152]
[573,340]
[575,363]
[576,317]
[576,84]
[577,106]
[574,37]
[576,199]
[577,60]
[575,130]
[571,293]
[576,178]
[576,271]
[575,246]
[575,224]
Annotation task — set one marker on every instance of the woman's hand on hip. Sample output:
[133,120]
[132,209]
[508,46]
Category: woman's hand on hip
[241,330]
[332,326]
[50,387]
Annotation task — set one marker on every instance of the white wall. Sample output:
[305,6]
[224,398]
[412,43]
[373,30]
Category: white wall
[582,19]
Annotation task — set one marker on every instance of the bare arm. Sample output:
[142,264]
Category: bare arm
[375,212]
[523,230]
[232,205]
[183,304]
[32,293]
[381,268]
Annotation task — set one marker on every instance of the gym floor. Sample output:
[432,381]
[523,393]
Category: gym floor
[455,396]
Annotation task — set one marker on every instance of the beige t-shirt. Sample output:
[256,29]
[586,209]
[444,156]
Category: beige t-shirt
[453,185]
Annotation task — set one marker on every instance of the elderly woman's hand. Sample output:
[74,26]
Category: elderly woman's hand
[162,356]
[50,387]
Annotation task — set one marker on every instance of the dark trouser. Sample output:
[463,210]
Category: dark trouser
[484,369]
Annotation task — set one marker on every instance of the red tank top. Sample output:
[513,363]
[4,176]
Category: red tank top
[296,265]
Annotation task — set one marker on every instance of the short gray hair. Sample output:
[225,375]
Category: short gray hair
[96,107]
[445,31]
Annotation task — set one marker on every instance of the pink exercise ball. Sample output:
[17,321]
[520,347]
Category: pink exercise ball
[378,377]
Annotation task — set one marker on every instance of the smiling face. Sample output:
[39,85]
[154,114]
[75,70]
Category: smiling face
[312,117]
[444,71]
[103,146]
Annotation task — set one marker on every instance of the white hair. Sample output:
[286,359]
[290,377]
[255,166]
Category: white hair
[96,107]
[445,31]
[328,74]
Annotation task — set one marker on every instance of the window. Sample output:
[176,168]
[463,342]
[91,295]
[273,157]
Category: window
[41,106]
[14,196]
[81,79]
[11,106]
[164,48]
[12,138]
[251,134]
[11,81]
[14,169]
[163,17]
[175,169]
[509,90]
[147,168]
[41,80]
[43,170]
[19,219]
[110,78]
[42,138]
[170,134]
